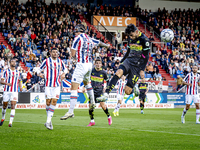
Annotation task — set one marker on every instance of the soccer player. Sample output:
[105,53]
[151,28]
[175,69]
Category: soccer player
[97,81]
[81,52]
[133,62]
[192,80]
[10,79]
[120,94]
[54,70]
[143,88]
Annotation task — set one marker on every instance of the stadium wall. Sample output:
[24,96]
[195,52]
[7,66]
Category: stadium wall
[169,5]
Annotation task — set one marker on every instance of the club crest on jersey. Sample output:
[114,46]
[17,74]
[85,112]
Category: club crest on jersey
[101,75]
[135,47]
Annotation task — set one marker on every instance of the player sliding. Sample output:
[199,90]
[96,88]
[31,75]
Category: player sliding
[81,52]
[143,88]
[54,69]
[120,94]
[133,62]
[10,79]
[97,80]
[192,80]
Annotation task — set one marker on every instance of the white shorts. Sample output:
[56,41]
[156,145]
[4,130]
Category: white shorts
[52,92]
[120,97]
[190,98]
[10,96]
[82,72]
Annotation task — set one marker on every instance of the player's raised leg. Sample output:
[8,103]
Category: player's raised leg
[5,104]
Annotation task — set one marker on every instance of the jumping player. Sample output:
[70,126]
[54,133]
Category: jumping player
[120,94]
[97,81]
[81,52]
[192,80]
[54,70]
[10,79]
[143,88]
[133,62]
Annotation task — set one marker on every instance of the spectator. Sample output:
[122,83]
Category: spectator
[28,85]
[179,82]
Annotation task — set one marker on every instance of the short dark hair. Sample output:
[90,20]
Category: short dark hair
[130,28]
[12,59]
[98,59]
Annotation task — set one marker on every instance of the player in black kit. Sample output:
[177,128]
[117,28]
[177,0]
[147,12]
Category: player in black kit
[143,88]
[98,76]
[133,63]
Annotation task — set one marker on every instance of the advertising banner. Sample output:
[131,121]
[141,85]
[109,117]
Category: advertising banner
[173,98]
[114,21]
[65,98]
[37,98]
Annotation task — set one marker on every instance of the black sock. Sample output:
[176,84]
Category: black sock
[141,106]
[106,111]
[112,83]
[91,113]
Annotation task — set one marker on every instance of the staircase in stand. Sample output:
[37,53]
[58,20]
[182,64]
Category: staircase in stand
[5,42]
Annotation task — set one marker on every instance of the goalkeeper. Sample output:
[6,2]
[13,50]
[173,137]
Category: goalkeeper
[134,61]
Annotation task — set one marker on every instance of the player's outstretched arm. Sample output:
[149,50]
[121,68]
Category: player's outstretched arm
[104,44]
[126,55]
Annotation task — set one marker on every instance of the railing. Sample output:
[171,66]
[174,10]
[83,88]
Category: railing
[107,35]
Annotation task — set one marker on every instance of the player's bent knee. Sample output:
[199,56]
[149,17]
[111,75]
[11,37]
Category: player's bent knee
[48,102]
[85,82]
[74,86]
[197,105]
[128,90]
[54,101]
[119,73]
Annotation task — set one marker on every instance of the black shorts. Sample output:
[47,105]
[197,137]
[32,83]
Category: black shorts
[132,71]
[142,97]
[95,98]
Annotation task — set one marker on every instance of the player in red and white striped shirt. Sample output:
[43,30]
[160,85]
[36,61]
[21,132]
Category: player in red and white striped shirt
[54,70]
[192,80]
[81,50]
[10,79]
[120,94]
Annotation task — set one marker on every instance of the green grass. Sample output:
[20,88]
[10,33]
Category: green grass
[156,129]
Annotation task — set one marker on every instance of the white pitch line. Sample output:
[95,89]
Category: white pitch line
[117,128]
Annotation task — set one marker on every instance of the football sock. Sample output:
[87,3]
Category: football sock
[117,107]
[91,113]
[47,109]
[12,114]
[141,106]
[197,114]
[107,113]
[73,100]
[90,93]
[3,113]
[184,111]
[50,113]
[112,84]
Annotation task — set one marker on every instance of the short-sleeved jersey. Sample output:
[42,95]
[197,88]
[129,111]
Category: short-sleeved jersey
[97,81]
[52,70]
[83,44]
[121,85]
[12,77]
[193,79]
[142,87]
[139,51]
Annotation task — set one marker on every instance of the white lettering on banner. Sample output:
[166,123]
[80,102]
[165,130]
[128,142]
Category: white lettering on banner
[110,22]
[119,21]
[174,96]
[127,20]
[102,20]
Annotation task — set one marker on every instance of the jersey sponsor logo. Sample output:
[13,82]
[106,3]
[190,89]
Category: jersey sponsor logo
[138,42]
[147,43]
[136,47]
[101,75]
[97,79]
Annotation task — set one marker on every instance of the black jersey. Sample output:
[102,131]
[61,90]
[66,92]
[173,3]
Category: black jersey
[97,81]
[142,87]
[138,51]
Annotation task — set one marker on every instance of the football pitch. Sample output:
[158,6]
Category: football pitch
[156,129]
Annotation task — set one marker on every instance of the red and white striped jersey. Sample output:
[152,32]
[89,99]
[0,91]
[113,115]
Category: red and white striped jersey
[193,79]
[83,44]
[12,77]
[121,85]
[52,71]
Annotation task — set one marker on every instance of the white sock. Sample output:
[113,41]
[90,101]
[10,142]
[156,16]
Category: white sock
[184,112]
[92,120]
[50,113]
[90,92]
[12,114]
[197,114]
[73,100]
[47,109]
[118,106]
[3,113]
